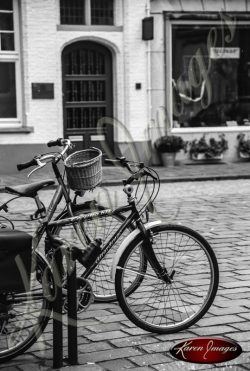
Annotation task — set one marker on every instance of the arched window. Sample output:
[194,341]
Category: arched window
[87,12]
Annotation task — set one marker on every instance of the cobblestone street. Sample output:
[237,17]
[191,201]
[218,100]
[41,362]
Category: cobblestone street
[219,210]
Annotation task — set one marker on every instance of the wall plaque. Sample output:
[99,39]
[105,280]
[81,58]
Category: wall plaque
[42,90]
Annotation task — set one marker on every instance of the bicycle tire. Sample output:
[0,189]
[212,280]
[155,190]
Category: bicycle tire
[102,227]
[159,307]
[22,322]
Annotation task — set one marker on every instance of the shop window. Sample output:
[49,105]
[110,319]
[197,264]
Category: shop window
[210,74]
[86,12]
[10,105]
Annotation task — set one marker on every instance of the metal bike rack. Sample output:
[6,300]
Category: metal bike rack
[57,271]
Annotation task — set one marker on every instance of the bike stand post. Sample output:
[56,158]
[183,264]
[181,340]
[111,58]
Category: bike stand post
[72,314]
[57,311]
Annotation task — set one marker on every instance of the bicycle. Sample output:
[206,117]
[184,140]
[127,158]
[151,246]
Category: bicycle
[81,234]
[166,276]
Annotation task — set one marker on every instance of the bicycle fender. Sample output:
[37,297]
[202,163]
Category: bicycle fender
[125,244]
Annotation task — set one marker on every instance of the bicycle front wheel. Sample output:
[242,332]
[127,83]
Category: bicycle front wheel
[155,305]
[24,316]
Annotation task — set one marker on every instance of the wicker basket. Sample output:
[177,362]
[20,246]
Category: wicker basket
[84,169]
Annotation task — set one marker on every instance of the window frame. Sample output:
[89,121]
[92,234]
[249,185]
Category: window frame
[13,56]
[168,75]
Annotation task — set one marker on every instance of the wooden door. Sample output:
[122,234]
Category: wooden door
[87,94]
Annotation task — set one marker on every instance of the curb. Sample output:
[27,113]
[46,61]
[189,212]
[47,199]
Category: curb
[198,178]
[185,179]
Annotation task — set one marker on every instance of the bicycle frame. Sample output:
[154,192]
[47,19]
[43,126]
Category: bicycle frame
[134,216]
[61,191]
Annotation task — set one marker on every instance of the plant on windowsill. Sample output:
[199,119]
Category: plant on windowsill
[211,150]
[243,146]
[168,146]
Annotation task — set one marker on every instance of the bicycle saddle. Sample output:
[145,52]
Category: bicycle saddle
[29,190]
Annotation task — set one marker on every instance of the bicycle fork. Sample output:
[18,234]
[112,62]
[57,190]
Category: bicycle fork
[148,250]
[161,272]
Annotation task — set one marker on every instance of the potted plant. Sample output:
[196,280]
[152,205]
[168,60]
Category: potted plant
[211,150]
[168,146]
[243,146]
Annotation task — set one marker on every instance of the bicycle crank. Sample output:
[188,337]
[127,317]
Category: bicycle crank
[85,296]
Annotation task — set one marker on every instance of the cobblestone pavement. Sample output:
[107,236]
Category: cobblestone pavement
[108,341]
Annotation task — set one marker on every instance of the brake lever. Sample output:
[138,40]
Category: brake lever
[146,172]
[40,166]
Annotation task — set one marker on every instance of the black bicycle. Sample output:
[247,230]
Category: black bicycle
[80,234]
[166,276]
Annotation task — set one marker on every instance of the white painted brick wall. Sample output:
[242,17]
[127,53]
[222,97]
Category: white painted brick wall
[135,56]
[42,45]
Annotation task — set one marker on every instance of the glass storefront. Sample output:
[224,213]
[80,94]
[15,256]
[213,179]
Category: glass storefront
[210,74]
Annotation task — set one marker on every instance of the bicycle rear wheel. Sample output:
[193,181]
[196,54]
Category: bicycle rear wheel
[24,316]
[156,306]
[102,227]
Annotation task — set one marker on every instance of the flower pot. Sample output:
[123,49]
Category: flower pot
[244,155]
[168,159]
[202,157]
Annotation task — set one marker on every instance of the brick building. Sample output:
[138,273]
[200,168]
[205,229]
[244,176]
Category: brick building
[65,64]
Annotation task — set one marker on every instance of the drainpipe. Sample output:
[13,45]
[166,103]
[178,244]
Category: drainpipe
[149,103]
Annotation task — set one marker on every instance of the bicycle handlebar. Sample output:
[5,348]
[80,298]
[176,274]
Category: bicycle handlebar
[26,165]
[37,160]
[57,142]
[139,174]
[135,175]
[123,162]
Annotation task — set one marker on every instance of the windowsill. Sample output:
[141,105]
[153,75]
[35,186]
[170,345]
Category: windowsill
[102,28]
[205,15]
[218,129]
[15,130]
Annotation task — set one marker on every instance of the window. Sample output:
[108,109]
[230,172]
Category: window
[210,74]
[9,62]
[102,12]
[73,12]
[7,90]
[86,12]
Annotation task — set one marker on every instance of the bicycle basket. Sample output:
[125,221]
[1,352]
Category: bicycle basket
[84,169]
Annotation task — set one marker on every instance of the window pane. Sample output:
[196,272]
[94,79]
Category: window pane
[7,90]
[6,21]
[84,117]
[7,41]
[210,75]
[85,62]
[102,12]
[6,5]
[72,11]
[85,91]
